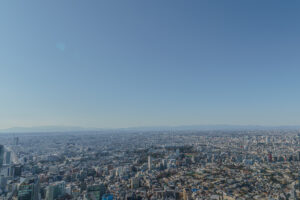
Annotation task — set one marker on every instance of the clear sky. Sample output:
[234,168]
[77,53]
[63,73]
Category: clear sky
[108,63]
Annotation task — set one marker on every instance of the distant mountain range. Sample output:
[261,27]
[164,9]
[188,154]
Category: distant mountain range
[45,129]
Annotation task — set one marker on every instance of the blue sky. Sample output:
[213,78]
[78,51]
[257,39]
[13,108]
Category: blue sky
[145,63]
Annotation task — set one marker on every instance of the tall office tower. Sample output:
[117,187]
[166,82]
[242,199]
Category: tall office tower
[16,170]
[177,152]
[149,162]
[3,182]
[8,157]
[266,139]
[16,140]
[56,190]
[1,154]
[298,180]
[29,189]
[165,163]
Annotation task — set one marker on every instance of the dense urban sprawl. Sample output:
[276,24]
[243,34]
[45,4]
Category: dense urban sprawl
[262,164]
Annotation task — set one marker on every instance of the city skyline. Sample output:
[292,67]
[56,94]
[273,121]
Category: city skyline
[108,64]
[149,100]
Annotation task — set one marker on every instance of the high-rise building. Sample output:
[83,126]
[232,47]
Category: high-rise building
[165,163]
[267,139]
[16,170]
[29,189]
[298,180]
[149,162]
[56,190]
[8,157]
[1,154]
[16,140]
[177,152]
[3,181]
[6,170]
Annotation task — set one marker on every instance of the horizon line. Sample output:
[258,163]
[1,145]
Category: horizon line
[144,127]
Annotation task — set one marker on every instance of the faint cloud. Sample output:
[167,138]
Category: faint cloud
[60,46]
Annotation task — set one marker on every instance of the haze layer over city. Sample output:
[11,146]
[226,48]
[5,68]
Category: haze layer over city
[154,100]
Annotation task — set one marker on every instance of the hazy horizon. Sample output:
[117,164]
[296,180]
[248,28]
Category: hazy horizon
[57,128]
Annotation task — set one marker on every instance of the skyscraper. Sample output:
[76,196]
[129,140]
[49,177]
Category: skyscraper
[3,182]
[56,190]
[16,140]
[177,152]
[149,162]
[29,189]
[1,154]
[7,157]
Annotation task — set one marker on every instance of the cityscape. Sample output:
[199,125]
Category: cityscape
[149,100]
[133,165]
